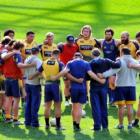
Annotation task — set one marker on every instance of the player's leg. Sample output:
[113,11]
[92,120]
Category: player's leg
[130,100]
[28,106]
[76,108]
[57,97]
[119,100]
[96,109]
[76,115]
[111,89]
[103,105]
[121,111]
[8,101]
[35,104]
[16,97]
[129,115]
[57,106]
[67,91]
[48,104]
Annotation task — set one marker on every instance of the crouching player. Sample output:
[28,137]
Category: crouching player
[78,68]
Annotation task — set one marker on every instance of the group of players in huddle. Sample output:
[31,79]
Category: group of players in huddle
[91,69]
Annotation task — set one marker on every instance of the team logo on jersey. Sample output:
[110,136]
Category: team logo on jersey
[28,51]
[50,62]
[112,47]
[47,53]
[86,47]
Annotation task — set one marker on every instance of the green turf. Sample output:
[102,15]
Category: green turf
[67,17]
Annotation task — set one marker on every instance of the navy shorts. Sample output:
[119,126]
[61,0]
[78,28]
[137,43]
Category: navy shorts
[125,95]
[78,95]
[12,88]
[53,92]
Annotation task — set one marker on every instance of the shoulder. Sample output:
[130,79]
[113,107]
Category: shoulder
[80,40]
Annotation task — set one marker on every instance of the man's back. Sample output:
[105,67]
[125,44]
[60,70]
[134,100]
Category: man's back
[78,68]
[126,76]
[100,65]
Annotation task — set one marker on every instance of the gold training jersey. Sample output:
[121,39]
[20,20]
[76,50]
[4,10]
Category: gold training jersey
[86,46]
[26,51]
[51,68]
[132,48]
[46,51]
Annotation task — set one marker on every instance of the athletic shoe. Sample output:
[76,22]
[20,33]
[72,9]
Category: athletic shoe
[60,128]
[16,122]
[119,127]
[8,120]
[129,127]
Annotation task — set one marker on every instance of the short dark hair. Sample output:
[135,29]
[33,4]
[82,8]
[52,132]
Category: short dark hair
[6,40]
[126,51]
[109,30]
[18,45]
[29,32]
[137,34]
[96,52]
[35,50]
[8,31]
[55,51]
[78,54]
[11,42]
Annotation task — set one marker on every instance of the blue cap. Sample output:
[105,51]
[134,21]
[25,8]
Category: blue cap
[70,38]
[35,49]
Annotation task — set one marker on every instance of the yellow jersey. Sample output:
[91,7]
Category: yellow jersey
[86,46]
[51,68]
[46,51]
[133,48]
[26,51]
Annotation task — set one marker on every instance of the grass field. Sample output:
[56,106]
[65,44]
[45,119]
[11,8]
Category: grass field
[67,17]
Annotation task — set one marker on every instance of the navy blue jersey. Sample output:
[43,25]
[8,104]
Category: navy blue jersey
[78,68]
[110,50]
[100,65]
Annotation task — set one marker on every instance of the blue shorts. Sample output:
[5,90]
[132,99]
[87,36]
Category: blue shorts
[125,95]
[52,92]
[78,95]
[12,88]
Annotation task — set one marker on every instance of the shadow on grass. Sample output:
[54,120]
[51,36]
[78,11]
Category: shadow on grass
[81,136]
[128,135]
[102,135]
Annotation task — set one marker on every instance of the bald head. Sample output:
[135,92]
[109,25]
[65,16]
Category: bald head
[125,37]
